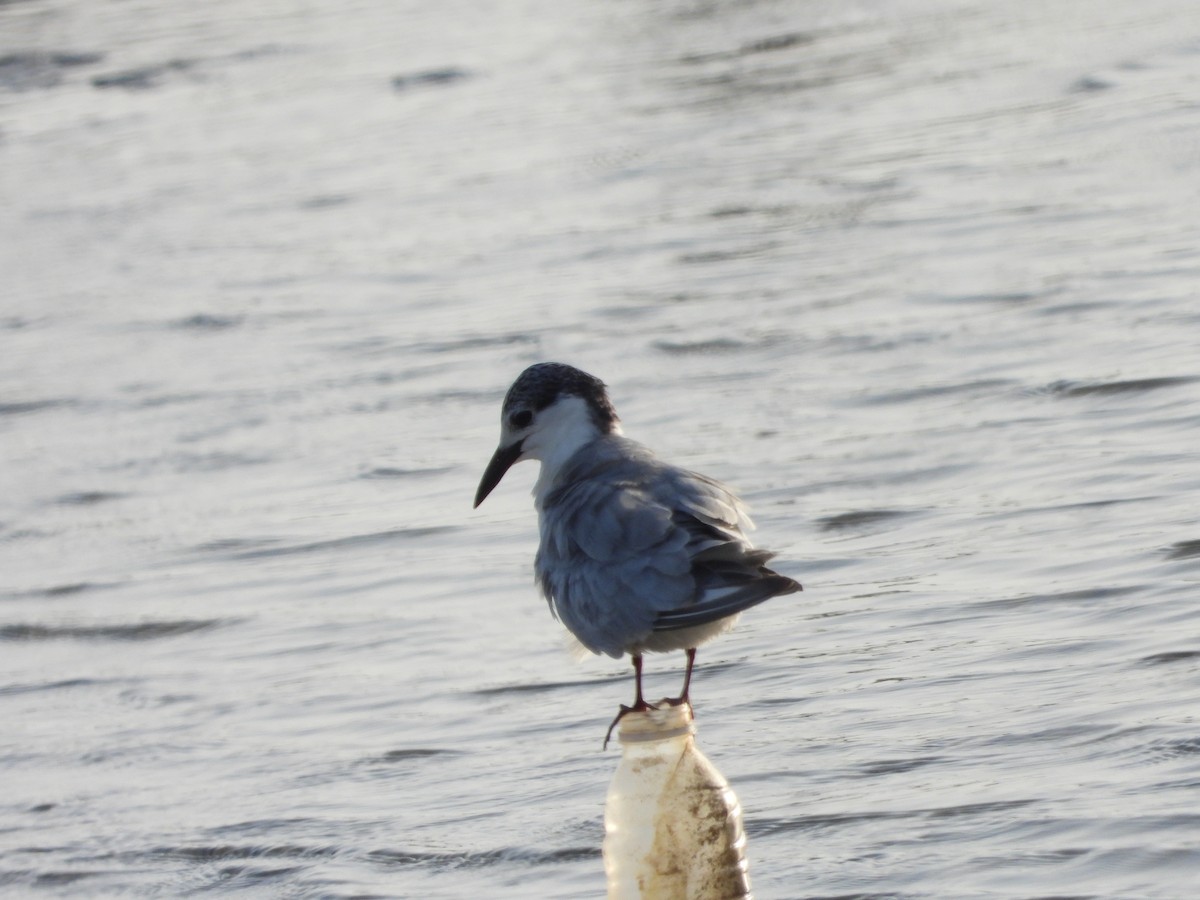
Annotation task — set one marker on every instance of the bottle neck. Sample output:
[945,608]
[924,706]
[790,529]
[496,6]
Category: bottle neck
[655,725]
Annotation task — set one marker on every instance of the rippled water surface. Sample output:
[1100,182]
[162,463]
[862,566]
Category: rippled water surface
[919,278]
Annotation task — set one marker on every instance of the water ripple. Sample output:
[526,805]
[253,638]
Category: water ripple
[62,590]
[143,77]
[397,756]
[1178,748]
[353,541]
[688,348]
[23,407]
[767,826]
[483,858]
[1104,388]
[142,631]
[392,472]
[430,78]
[41,69]
[207,322]
[88,498]
[1172,656]
[57,685]
[1082,596]
[860,519]
[1184,550]
[896,766]
[208,853]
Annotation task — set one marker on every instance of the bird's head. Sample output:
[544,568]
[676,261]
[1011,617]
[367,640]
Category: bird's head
[550,411]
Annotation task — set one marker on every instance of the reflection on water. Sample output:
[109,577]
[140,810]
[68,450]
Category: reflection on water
[919,277]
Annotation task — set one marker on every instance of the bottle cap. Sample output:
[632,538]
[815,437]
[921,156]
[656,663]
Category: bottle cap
[656,724]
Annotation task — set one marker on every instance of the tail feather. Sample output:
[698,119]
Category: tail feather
[764,588]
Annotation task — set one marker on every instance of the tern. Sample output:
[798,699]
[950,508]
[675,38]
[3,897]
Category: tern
[636,555]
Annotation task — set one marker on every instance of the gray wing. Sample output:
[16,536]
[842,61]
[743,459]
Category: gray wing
[631,546]
[610,560]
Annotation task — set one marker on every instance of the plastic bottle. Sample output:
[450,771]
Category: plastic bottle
[673,826]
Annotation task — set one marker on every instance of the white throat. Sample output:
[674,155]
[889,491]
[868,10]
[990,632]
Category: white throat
[563,428]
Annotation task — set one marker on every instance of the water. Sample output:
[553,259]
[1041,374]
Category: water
[918,278]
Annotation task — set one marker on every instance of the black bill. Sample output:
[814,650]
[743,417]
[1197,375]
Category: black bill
[502,461]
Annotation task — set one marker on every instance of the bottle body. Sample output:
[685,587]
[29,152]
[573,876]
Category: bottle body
[673,826]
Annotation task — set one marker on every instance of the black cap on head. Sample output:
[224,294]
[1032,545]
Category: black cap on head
[535,389]
[543,383]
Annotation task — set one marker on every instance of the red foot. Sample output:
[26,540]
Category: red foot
[639,706]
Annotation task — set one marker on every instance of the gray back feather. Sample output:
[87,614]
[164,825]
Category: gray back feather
[626,538]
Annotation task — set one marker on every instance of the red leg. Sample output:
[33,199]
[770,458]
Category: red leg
[687,680]
[687,675]
[639,704]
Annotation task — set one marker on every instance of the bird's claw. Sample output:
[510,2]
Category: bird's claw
[639,706]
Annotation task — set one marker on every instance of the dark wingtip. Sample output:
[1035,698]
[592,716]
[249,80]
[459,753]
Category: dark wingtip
[769,586]
[792,585]
[782,584]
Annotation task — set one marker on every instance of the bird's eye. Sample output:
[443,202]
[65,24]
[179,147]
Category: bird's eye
[521,419]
